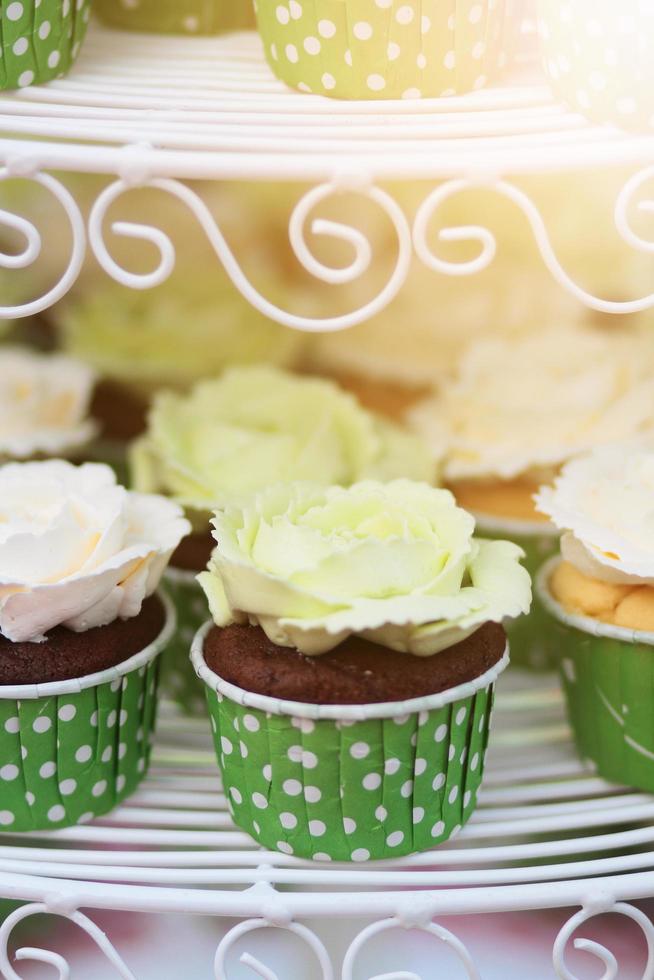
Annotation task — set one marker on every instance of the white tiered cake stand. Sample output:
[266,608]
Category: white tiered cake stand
[548,833]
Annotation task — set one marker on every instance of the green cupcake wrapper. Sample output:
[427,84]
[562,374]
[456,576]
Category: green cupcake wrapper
[40,41]
[353,782]
[599,57]
[532,639]
[73,750]
[357,49]
[178,678]
[177,16]
[607,674]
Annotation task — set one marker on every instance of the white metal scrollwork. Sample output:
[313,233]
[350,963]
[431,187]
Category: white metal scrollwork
[488,243]
[258,968]
[596,949]
[351,236]
[47,956]
[32,249]
[429,927]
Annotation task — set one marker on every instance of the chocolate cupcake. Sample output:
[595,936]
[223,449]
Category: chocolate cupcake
[238,433]
[350,664]
[81,627]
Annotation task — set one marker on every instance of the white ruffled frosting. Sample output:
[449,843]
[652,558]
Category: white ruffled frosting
[44,403]
[604,502]
[526,406]
[76,549]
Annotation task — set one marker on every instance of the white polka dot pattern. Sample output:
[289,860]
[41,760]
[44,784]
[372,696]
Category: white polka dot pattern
[40,40]
[59,754]
[600,59]
[356,790]
[389,49]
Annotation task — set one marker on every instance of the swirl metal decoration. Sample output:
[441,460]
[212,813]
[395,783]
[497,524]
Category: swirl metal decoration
[431,928]
[604,955]
[32,248]
[259,968]
[357,241]
[488,244]
[48,957]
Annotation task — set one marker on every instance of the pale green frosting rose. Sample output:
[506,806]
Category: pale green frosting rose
[395,563]
[174,334]
[260,425]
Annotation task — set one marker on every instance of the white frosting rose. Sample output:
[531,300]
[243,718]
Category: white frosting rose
[521,406]
[604,502]
[44,404]
[76,549]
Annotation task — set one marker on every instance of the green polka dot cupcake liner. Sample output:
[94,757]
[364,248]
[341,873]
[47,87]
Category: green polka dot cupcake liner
[178,678]
[532,638]
[354,782]
[607,674]
[386,49]
[73,750]
[40,39]
[599,57]
[177,16]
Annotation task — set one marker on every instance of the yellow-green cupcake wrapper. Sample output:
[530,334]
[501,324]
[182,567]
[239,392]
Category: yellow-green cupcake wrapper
[73,750]
[608,678]
[40,40]
[361,49]
[354,782]
[177,16]
[599,57]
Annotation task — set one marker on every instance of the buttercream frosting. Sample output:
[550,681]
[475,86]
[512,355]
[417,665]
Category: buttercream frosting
[524,407]
[76,549]
[395,563]
[44,404]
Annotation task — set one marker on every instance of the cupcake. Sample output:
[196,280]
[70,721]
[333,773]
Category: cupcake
[352,50]
[239,433]
[349,665]
[177,16]
[40,39]
[44,404]
[600,591]
[515,413]
[81,627]
[599,57]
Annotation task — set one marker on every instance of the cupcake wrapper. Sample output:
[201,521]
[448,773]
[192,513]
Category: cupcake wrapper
[533,641]
[356,49]
[73,750]
[599,56]
[349,783]
[177,16]
[178,679]
[608,679]
[40,41]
